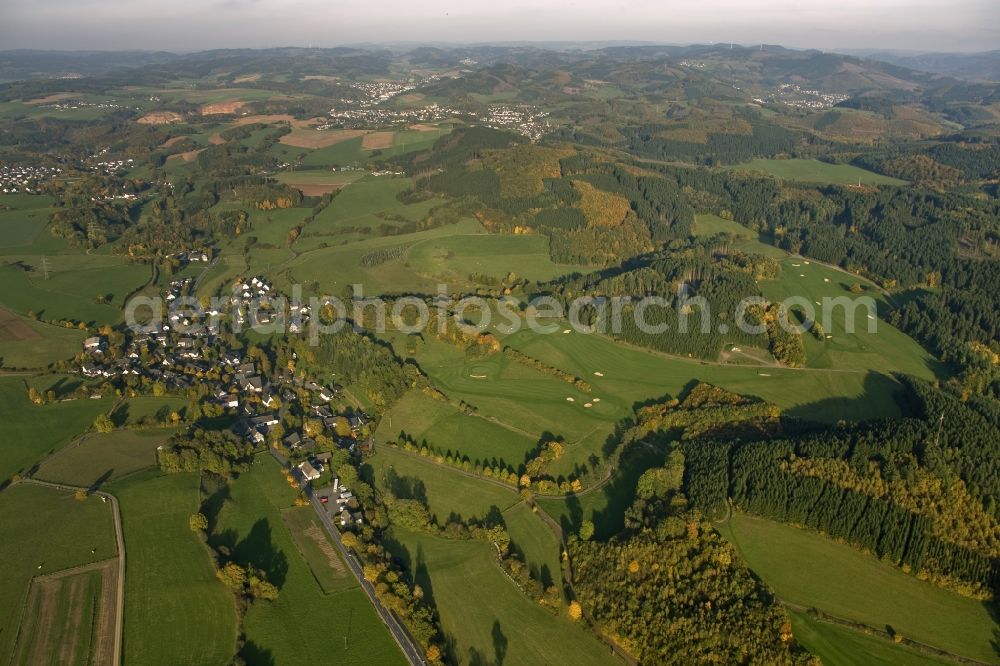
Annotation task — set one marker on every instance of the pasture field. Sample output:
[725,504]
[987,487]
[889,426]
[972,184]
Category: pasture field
[103,457]
[337,266]
[526,401]
[513,394]
[842,646]
[445,489]
[886,350]
[342,153]
[74,287]
[141,407]
[69,617]
[317,549]
[33,431]
[605,506]
[317,181]
[361,204]
[47,531]
[814,171]
[444,425]
[221,276]
[358,147]
[304,625]
[455,258]
[271,227]
[410,140]
[806,568]
[311,138]
[534,540]
[25,343]
[511,628]
[22,218]
[169,576]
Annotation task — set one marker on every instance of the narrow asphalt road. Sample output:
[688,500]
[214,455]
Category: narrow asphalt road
[120,595]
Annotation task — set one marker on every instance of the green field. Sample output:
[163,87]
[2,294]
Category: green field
[340,265]
[72,288]
[604,506]
[535,542]
[304,625]
[169,576]
[488,619]
[527,403]
[811,570]
[886,350]
[54,343]
[317,549]
[27,217]
[336,179]
[103,457]
[31,432]
[66,631]
[841,646]
[408,141]
[361,203]
[134,410]
[445,426]
[350,152]
[46,530]
[445,489]
[814,171]
[454,258]
[343,153]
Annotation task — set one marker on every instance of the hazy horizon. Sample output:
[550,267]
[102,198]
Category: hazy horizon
[188,25]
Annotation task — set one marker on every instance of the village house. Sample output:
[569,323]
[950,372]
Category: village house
[307,471]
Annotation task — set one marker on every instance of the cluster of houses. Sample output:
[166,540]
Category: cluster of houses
[24,178]
[353,117]
[186,257]
[524,119]
[238,386]
[336,499]
[109,167]
[791,94]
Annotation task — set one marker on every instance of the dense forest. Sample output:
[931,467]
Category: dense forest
[919,492]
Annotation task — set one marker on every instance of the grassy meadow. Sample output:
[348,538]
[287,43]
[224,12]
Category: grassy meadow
[33,431]
[445,489]
[806,568]
[842,646]
[47,530]
[46,344]
[510,628]
[535,542]
[75,289]
[103,457]
[454,258]
[169,576]
[305,624]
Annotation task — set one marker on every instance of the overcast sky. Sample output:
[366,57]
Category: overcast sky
[185,25]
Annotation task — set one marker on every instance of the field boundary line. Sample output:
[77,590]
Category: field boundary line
[120,542]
